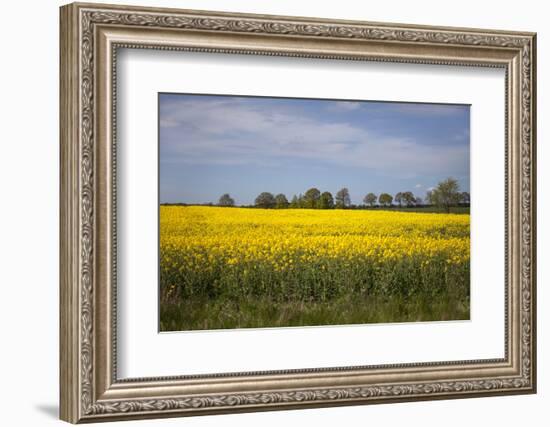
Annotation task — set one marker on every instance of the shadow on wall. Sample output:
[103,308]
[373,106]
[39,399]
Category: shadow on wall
[49,410]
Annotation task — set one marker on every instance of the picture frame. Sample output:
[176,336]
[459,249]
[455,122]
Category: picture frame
[91,35]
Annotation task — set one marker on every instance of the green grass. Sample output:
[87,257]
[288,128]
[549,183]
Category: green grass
[341,293]
[260,313]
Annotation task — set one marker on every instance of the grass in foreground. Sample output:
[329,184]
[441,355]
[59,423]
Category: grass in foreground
[261,313]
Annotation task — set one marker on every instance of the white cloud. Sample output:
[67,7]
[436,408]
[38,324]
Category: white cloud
[344,106]
[418,186]
[229,131]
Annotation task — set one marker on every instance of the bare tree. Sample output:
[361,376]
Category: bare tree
[398,198]
[342,198]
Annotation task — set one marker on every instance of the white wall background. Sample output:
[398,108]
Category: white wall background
[29,171]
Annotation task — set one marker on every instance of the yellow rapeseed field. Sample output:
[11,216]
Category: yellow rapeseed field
[211,253]
[198,235]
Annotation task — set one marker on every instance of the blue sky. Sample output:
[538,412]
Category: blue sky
[210,145]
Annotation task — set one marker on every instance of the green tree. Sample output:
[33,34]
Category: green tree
[370,199]
[465,197]
[429,197]
[265,200]
[281,201]
[294,204]
[408,198]
[301,201]
[445,195]
[342,199]
[311,198]
[326,201]
[385,199]
[226,200]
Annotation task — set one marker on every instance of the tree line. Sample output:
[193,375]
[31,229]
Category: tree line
[445,195]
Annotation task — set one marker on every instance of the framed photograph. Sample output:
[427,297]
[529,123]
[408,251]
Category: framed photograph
[266,212]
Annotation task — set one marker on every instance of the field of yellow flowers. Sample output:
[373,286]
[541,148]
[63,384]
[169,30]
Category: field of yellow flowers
[241,267]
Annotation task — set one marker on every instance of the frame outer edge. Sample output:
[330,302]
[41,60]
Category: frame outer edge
[69,354]
[77,342]
[534,269]
[305,19]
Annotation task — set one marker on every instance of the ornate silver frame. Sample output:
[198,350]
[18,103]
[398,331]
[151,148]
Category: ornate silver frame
[90,36]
